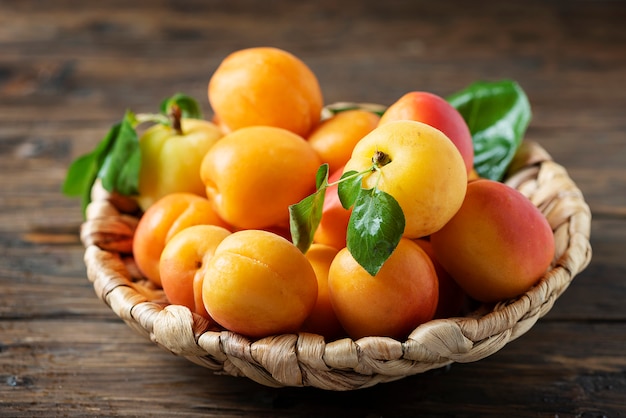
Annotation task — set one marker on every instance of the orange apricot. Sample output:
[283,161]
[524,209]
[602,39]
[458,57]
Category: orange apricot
[498,245]
[322,319]
[183,261]
[253,174]
[259,284]
[335,138]
[400,297]
[451,296]
[265,86]
[166,217]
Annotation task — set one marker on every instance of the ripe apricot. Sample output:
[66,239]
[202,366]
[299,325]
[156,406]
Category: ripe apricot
[401,296]
[253,174]
[183,261]
[322,319]
[170,162]
[265,86]
[497,245]
[259,284]
[420,167]
[451,296]
[437,112]
[335,138]
[333,227]
[166,217]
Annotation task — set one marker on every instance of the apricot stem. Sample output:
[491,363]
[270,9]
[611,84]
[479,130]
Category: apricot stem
[380,159]
[175,117]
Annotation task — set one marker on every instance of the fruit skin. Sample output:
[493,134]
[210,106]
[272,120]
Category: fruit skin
[265,86]
[183,261]
[335,138]
[437,112]
[451,296]
[166,217]
[259,284]
[426,174]
[322,319]
[253,174]
[170,162]
[498,245]
[333,226]
[401,296]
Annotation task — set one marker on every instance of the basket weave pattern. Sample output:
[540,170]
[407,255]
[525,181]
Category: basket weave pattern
[306,359]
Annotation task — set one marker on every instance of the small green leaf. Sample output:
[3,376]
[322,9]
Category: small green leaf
[339,107]
[83,171]
[305,216]
[321,177]
[80,175]
[349,188]
[375,228]
[497,114]
[188,106]
[120,169]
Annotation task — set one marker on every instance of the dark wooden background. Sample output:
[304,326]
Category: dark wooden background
[69,69]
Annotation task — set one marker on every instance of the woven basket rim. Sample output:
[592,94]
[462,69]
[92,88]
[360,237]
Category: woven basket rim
[306,359]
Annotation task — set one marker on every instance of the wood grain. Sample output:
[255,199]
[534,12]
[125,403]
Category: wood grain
[69,70]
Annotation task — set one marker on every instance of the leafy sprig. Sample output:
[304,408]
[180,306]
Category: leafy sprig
[376,223]
[116,160]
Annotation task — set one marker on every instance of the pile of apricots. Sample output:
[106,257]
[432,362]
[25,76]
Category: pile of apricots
[214,234]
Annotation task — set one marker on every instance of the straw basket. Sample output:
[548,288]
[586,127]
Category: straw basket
[308,360]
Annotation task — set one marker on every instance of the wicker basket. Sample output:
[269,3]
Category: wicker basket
[306,359]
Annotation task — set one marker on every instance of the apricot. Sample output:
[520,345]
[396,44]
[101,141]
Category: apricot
[498,245]
[170,161]
[253,174]
[400,297]
[451,296]
[335,138]
[322,319]
[265,86]
[420,167]
[437,112]
[166,217]
[183,261]
[258,284]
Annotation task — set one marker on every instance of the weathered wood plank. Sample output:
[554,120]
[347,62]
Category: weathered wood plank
[58,366]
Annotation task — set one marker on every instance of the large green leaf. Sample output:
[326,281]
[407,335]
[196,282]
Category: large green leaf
[497,114]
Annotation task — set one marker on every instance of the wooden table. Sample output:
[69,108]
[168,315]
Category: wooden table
[68,71]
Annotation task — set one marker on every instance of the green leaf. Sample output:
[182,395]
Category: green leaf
[116,160]
[305,216]
[120,170]
[80,175]
[188,106]
[83,171]
[321,177]
[339,107]
[375,228]
[349,188]
[497,114]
